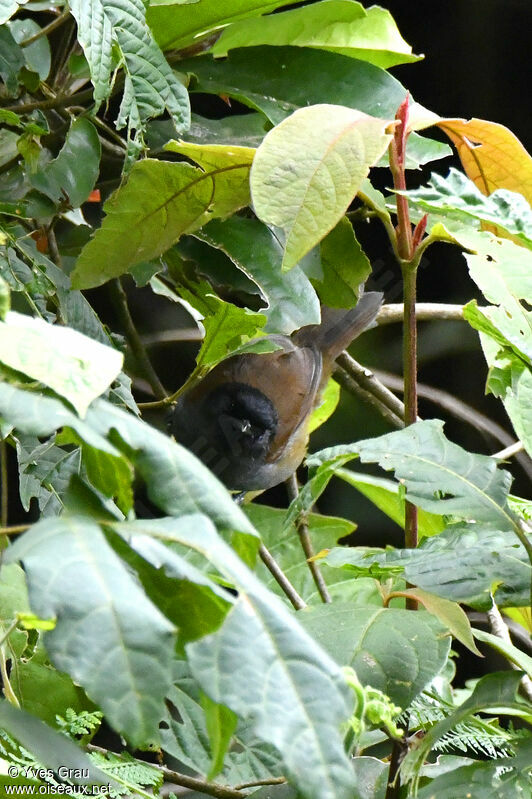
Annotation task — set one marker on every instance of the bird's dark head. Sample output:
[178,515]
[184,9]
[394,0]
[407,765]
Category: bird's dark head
[244,418]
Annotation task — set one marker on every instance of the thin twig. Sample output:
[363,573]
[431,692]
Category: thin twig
[202,786]
[281,578]
[55,23]
[306,544]
[61,101]
[394,311]
[258,783]
[120,298]
[351,385]
[509,451]
[367,380]
[14,529]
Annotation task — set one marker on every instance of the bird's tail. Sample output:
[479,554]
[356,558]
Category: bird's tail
[339,327]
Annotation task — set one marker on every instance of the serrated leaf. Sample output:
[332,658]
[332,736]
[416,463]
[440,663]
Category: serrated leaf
[306,189]
[459,198]
[123,658]
[393,650]
[283,662]
[254,249]
[176,198]
[74,365]
[71,176]
[439,476]
[227,329]
[151,87]
[463,563]
[341,26]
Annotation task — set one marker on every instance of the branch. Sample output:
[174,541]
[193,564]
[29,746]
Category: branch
[394,311]
[120,298]
[4,496]
[55,23]
[306,544]
[362,382]
[275,570]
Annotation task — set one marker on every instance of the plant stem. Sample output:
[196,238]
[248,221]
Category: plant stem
[306,544]
[394,312]
[61,101]
[367,380]
[55,23]
[275,570]
[120,299]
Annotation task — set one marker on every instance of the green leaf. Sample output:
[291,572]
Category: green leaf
[369,640]
[37,55]
[221,724]
[496,691]
[45,470]
[11,60]
[345,267]
[176,25]
[494,779]
[52,749]
[439,476]
[175,199]
[226,330]
[8,8]
[463,563]
[282,85]
[458,198]
[291,301]
[283,661]
[509,651]
[228,162]
[244,130]
[329,400]
[71,176]
[74,365]
[123,658]
[5,299]
[449,613]
[308,169]
[151,87]
[341,26]
[389,498]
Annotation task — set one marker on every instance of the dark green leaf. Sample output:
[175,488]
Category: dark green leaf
[393,650]
[11,60]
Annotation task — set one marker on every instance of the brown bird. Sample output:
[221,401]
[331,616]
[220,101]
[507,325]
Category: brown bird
[248,419]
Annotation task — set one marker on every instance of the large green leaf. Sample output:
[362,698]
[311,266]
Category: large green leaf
[151,87]
[463,563]
[175,199]
[75,366]
[282,85]
[291,690]
[341,26]
[345,267]
[292,302]
[71,176]
[439,476]
[394,650]
[177,25]
[309,168]
[123,657]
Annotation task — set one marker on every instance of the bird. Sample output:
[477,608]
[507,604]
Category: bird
[248,418]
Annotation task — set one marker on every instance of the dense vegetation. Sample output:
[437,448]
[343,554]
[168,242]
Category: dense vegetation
[154,632]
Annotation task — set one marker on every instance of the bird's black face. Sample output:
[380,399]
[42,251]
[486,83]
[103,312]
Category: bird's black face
[244,419]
